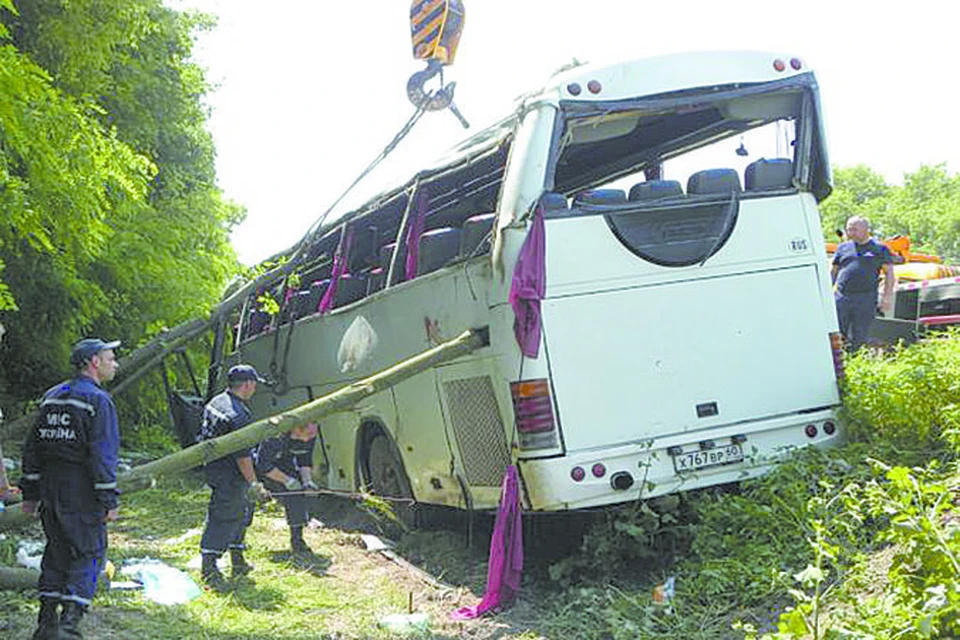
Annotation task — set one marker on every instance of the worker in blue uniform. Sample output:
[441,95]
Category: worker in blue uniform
[232,479]
[285,466]
[70,478]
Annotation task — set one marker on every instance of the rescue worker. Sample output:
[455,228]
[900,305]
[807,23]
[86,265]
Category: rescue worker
[232,479]
[70,476]
[285,466]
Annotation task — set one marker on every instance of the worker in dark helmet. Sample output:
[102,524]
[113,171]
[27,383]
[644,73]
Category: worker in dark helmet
[70,477]
[232,479]
[285,465]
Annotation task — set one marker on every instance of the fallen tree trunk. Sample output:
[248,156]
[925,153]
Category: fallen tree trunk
[18,578]
[134,366]
[204,452]
[144,476]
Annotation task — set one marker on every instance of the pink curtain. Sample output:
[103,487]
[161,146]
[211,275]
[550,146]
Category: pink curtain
[339,268]
[529,286]
[506,552]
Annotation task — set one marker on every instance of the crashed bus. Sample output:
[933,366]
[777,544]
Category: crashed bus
[659,312]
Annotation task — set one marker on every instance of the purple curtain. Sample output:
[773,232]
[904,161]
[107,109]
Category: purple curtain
[506,552]
[413,235]
[339,268]
[529,286]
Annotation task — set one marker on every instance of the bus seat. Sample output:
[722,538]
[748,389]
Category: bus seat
[300,304]
[768,174]
[376,280]
[711,181]
[386,252]
[600,196]
[553,202]
[655,190]
[473,239]
[437,248]
[363,249]
[315,295]
[258,323]
[350,288]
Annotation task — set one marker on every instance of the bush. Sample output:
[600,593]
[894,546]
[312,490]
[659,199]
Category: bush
[906,402]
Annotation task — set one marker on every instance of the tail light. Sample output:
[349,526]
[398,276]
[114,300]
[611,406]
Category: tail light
[533,412]
[836,346]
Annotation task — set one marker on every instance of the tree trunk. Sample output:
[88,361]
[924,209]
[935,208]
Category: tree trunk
[144,476]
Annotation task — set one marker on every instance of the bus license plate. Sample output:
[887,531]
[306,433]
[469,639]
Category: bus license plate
[727,454]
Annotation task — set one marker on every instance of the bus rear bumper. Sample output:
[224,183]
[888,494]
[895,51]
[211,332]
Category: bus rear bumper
[679,462]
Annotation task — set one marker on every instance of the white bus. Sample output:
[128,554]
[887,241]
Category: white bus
[664,214]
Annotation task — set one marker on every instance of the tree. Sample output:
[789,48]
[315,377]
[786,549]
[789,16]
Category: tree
[114,223]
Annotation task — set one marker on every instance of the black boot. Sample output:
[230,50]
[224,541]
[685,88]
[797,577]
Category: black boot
[297,543]
[70,621]
[210,573]
[48,622]
[238,566]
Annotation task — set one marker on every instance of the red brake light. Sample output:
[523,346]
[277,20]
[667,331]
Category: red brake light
[532,406]
[779,65]
[598,470]
[594,86]
[811,430]
[578,474]
[795,63]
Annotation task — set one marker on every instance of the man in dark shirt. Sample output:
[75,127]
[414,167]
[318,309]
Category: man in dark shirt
[231,478]
[70,476]
[856,271]
[285,465]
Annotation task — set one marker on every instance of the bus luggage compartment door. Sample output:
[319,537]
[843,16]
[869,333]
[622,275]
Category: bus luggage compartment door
[636,363]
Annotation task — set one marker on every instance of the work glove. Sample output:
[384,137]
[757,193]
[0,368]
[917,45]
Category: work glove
[292,484]
[256,492]
[311,486]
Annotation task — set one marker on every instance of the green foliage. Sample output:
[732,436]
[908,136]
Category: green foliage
[926,207]
[116,226]
[907,400]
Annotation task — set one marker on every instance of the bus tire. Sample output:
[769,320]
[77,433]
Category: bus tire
[386,477]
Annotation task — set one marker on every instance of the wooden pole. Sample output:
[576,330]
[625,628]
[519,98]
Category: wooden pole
[18,578]
[145,476]
[207,451]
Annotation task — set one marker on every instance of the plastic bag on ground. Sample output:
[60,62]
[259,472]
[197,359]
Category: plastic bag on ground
[406,623]
[162,583]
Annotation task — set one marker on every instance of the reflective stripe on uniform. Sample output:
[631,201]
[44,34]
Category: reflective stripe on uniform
[72,598]
[217,413]
[105,485]
[70,401]
[31,476]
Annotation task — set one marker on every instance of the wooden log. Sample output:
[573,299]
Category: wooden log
[144,476]
[133,366]
[204,452]
[18,578]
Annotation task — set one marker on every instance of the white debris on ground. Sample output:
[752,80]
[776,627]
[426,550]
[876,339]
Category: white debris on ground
[30,553]
[186,535]
[10,464]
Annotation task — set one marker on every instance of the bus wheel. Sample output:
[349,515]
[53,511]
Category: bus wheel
[386,478]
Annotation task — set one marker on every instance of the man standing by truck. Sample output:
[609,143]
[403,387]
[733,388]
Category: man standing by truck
[856,273]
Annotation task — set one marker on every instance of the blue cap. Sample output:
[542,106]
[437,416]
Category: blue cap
[242,373]
[89,347]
